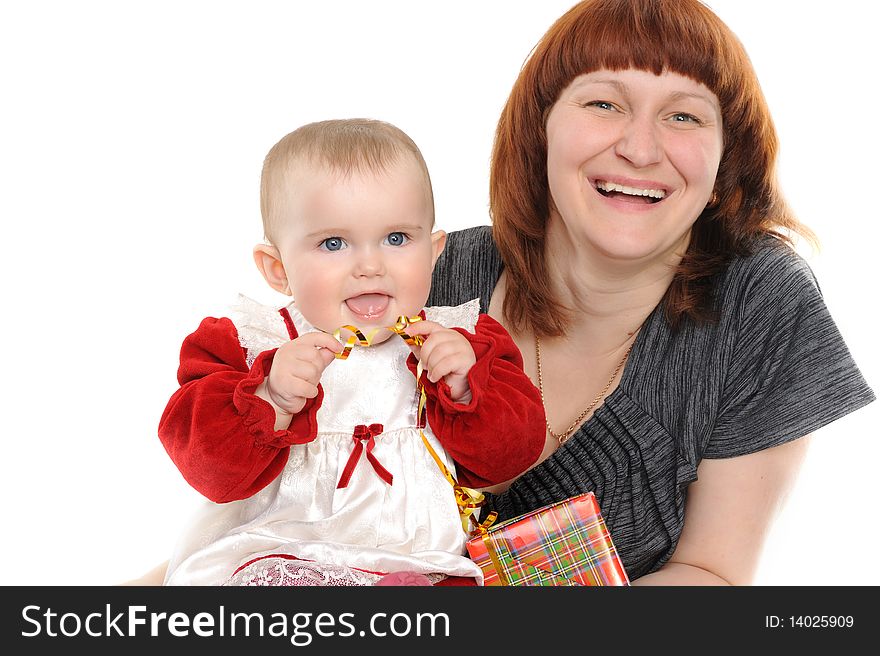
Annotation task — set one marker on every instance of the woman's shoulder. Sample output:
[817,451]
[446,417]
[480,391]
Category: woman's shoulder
[476,241]
[468,268]
[785,366]
[772,267]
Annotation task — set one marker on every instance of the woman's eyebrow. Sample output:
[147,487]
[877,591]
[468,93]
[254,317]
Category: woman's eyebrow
[686,95]
[617,84]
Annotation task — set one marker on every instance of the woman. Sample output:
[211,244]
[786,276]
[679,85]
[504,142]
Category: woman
[640,256]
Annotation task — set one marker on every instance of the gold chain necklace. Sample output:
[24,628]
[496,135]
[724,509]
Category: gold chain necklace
[564,435]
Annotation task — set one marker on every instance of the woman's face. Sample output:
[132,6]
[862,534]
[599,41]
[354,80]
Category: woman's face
[631,161]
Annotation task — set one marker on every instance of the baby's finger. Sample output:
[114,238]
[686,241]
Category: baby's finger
[434,348]
[309,366]
[450,355]
[443,364]
[293,394]
[319,348]
[420,330]
[424,327]
[322,340]
[302,388]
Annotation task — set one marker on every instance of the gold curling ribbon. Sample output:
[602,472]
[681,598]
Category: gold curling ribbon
[359,339]
[467,499]
[483,527]
[500,569]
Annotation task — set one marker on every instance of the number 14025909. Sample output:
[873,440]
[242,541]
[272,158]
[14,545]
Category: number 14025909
[809,621]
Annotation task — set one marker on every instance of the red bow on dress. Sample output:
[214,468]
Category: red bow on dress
[362,433]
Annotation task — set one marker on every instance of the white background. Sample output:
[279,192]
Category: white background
[132,140]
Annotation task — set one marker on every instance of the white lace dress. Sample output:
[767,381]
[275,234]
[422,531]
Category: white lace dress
[302,528]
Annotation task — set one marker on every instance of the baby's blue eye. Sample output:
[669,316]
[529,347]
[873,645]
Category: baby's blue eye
[396,239]
[332,244]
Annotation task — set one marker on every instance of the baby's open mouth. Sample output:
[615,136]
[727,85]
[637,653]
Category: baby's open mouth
[368,306]
[630,194]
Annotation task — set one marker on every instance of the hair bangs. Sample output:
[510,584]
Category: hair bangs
[655,36]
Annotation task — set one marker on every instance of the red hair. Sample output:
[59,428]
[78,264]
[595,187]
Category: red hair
[681,36]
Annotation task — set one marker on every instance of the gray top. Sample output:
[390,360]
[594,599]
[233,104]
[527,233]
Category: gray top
[772,369]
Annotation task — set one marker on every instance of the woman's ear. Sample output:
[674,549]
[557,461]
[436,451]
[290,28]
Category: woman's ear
[268,261]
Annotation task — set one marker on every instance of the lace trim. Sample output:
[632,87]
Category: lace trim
[283,572]
[463,316]
[260,327]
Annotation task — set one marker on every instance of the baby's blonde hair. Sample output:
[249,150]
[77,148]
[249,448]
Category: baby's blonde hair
[343,145]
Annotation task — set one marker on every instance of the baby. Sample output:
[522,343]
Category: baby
[317,459]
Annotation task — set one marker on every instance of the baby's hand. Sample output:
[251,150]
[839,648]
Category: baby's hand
[295,373]
[445,354]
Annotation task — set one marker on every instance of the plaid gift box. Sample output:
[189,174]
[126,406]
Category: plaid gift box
[565,543]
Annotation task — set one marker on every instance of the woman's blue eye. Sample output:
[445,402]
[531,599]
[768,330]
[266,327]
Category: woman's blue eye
[332,244]
[396,239]
[601,104]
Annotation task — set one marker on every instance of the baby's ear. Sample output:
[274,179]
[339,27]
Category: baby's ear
[438,243]
[268,261]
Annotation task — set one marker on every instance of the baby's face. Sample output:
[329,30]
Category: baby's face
[358,249]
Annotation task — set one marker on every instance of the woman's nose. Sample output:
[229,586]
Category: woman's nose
[639,142]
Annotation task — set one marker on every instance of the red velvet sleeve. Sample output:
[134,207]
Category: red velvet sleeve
[219,434]
[501,432]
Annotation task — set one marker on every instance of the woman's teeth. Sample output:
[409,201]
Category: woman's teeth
[610,187]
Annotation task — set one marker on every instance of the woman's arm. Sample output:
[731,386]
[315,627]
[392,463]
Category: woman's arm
[729,511]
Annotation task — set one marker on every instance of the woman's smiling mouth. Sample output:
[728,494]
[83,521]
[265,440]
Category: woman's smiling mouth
[630,194]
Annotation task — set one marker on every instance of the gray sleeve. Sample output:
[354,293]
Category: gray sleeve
[789,371]
[468,268]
